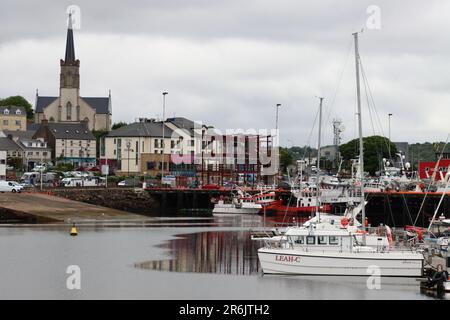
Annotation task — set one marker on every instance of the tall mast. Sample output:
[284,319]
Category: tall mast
[361,146]
[318,160]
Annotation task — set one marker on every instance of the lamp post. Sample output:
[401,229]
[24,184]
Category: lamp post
[128,156]
[163,136]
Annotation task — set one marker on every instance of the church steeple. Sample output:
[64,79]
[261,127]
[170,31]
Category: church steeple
[70,48]
[70,73]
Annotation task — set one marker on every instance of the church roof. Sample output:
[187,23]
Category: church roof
[99,104]
[142,129]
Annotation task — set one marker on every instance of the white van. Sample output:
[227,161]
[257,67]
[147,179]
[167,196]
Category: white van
[10,186]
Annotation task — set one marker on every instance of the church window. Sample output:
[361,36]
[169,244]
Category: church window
[69,111]
[51,119]
[78,113]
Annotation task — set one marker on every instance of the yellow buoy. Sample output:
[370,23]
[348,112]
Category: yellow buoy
[73,231]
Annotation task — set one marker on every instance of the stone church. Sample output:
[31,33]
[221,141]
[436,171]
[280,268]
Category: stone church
[69,106]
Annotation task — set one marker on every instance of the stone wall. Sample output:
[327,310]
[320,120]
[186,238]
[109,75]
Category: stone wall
[120,199]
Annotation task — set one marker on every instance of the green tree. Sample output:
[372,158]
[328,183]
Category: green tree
[118,125]
[18,101]
[375,149]
[286,158]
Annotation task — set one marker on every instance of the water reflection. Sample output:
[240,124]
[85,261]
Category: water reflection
[225,252]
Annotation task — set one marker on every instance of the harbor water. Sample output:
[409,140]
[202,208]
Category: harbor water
[163,258]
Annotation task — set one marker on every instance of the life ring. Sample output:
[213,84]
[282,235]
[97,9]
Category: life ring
[344,222]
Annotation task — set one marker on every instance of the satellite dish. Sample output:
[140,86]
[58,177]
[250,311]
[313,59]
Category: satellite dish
[407,165]
[388,163]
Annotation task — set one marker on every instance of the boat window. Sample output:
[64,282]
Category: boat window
[333,240]
[322,240]
[311,240]
[300,240]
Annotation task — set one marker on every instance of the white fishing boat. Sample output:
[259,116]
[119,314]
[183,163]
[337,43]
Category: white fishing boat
[243,203]
[339,245]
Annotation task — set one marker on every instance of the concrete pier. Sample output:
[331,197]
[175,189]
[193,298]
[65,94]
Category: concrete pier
[41,208]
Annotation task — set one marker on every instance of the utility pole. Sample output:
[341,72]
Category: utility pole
[318,161]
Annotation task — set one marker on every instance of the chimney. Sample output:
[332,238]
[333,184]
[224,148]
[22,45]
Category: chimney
[44,122]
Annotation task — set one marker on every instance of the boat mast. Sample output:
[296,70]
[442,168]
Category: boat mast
[318,160]
[361,146]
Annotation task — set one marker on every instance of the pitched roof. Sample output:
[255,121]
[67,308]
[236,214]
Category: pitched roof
[142,129]
[20,134]
[8,145]
[100,104]
[75,131]
[183,123]
[13,109]
[42,102]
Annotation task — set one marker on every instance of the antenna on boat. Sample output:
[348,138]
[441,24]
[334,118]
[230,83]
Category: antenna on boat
[361,146]
[318,160]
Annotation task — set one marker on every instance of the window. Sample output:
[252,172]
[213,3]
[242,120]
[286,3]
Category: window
[156,143]
[44,153]
[18,112]
[71,143]
[322,240]
[5,122]
[18,123]
[310,240]
[78,113]
[150,165]
[69,111]
[172,144]
[333,240]
[6,112]
[300,240]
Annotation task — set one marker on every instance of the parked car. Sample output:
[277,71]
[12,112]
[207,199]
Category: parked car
[10,186]
[9,168]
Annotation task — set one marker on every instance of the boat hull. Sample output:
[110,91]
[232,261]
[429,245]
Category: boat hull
[277,261]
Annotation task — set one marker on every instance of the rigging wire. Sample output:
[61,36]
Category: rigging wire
[432,178]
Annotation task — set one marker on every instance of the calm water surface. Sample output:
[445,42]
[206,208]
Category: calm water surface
[162,259]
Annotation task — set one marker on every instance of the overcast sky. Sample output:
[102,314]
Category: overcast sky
[228,63]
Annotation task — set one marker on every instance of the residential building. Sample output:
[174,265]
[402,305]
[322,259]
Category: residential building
[34,152]
[69,142]
[122,148]
[69,106]
[13,118]
[13,152]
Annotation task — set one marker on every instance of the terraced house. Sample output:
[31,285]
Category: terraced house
[13,118]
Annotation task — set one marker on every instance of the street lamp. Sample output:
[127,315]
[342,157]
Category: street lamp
[163,136]
[128,149]
[276,119]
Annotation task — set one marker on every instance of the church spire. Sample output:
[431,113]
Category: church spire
[70,48]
